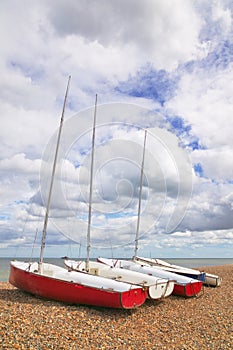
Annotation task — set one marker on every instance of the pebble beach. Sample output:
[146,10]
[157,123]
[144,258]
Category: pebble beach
[203,322]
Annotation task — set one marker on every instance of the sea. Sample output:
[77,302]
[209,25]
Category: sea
[191,263]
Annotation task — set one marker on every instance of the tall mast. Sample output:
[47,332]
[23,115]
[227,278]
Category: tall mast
[52,179]
[140,197]
[91,190]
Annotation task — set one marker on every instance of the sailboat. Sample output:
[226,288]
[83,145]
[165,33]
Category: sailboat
[154,287]
[207,278]
[57,283]
[183,286]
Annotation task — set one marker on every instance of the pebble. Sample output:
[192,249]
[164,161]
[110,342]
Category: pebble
[199,323]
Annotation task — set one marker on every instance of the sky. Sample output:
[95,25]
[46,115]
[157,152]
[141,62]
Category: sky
[155,65]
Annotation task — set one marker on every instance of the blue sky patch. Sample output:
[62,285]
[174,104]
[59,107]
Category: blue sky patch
[178,125]
[194,145]
[150,83]
[5,216]
[219,58]
[198,169]
[35,73]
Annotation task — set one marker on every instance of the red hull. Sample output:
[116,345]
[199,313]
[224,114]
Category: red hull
[188,290]
[74,293]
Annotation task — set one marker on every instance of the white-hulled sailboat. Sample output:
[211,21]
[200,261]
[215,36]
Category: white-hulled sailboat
[183,286]
[155,287]
[207,278]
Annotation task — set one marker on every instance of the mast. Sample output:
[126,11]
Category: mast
[52,180]
[140,197]
[91,189]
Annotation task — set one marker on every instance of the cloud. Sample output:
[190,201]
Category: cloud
[208,107]
[146,27]
[217,164]
[20,164]
[172,60]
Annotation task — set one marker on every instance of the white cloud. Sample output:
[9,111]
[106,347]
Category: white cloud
[19,179]
[142,30]
[19,164]
[204,99]
[223,15]
[102,44]
[196,242]
[181,234]
[217,163]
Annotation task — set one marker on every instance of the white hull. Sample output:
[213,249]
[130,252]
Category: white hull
[183,286]
[161,264]
[206,278]
[157,287]
[150,270]
[213,280]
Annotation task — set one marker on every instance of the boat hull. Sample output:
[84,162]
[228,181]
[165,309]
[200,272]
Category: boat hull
[207,278]
[199,277]
[179,270]
[188,290]
[156,287]
[73,292]
[183,286]
[212,280]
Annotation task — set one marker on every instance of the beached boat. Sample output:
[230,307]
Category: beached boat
[183,286]
[206,278]
[161,264]
[156,287]
[56,283]
[212,280]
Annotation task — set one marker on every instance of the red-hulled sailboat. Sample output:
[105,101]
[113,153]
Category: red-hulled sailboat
[53,282]
[56,283]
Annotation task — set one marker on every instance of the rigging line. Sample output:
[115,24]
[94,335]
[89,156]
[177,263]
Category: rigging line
[33,246]
[52,180]
[140,197]
[36,233]
[91,189]
[23,232]
[79,252]
[101,185]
